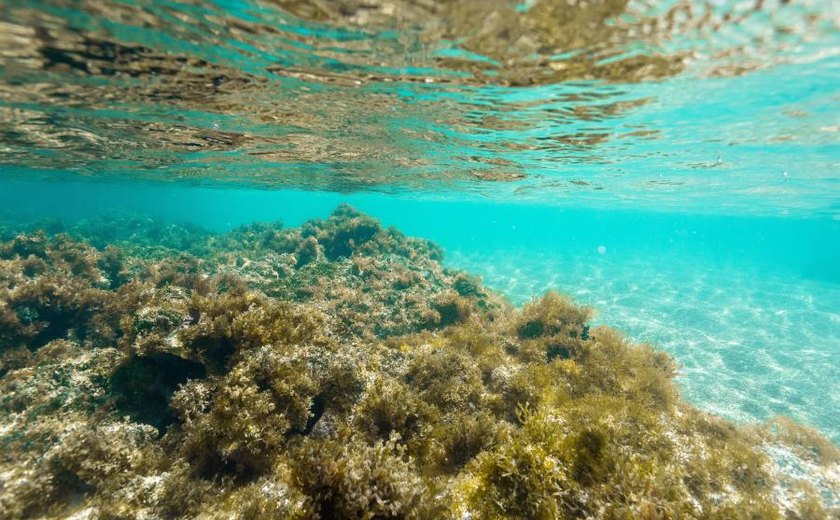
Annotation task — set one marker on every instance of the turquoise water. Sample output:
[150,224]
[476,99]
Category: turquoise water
[748,305]
[675,165]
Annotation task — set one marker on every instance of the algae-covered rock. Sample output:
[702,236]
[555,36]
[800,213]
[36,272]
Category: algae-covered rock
[338,370]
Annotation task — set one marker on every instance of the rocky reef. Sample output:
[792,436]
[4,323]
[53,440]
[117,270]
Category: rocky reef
[338,370]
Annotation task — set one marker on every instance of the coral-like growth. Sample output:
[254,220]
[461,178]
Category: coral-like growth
[337,370]
[353,479]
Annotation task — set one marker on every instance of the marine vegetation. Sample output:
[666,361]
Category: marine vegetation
[339,370]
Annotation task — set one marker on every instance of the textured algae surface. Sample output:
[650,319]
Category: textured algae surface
[338,370]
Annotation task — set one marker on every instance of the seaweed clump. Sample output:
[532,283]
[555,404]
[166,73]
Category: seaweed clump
[338,370]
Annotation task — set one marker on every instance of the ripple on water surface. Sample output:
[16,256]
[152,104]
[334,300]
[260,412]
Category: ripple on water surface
[729,105]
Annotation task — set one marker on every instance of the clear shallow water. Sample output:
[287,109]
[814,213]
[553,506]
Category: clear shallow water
[697,144]
[749,306]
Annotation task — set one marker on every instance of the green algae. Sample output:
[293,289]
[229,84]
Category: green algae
[337,370]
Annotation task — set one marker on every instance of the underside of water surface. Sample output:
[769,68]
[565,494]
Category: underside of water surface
[419,259]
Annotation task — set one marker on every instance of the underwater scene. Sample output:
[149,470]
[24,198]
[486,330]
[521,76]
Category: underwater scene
[420,259]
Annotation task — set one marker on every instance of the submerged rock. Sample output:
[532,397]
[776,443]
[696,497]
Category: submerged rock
[338,370]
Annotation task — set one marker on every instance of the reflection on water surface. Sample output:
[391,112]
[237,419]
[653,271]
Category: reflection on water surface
[615,101]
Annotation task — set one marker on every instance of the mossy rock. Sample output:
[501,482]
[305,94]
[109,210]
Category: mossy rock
[338,370]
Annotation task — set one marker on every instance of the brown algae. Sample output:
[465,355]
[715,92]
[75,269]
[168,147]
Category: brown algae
[338,370]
